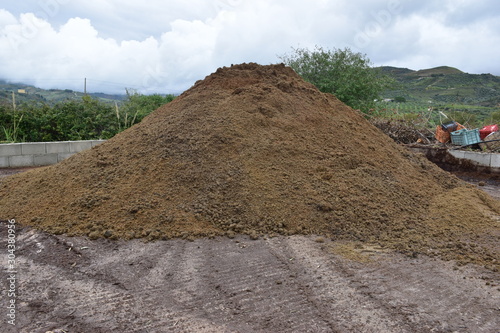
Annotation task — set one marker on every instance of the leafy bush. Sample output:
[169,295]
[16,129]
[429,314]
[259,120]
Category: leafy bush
[85,119]
[343,73]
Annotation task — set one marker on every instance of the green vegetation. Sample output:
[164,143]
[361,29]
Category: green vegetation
[421,99]
[82,119]
[345,74]
[467,115]
[471,99]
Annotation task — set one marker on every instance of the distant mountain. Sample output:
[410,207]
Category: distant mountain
[438,71]
[440,85]
[395,71]
[28,93]
[444,85]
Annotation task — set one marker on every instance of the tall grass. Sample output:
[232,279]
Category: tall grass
[124,121]
[11,133]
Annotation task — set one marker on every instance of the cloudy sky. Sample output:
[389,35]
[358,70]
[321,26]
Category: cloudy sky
[160,46]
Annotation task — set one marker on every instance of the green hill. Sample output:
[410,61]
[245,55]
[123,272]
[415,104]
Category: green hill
[439,94]
[444,85]
[438,71]
[28,93]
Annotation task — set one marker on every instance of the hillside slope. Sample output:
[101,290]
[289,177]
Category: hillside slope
[446,85]
[28,93]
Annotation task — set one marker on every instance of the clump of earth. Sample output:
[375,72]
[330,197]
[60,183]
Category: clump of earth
[256,150]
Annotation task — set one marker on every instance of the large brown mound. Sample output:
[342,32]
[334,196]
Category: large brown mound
[255,149]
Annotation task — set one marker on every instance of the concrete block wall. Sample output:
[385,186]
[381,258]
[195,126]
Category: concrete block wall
[461,160]
[16,155]
[490,160]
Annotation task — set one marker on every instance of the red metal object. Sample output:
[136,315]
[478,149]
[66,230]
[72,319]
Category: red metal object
[487,130]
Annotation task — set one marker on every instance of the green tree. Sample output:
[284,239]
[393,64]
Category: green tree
[343,73]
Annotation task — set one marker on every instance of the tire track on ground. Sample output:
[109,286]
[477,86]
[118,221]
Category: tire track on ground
[474,307]
[257,289]
[283,284]
[329,288]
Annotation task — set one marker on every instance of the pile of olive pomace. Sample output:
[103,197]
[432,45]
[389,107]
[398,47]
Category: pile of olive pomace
[256,150]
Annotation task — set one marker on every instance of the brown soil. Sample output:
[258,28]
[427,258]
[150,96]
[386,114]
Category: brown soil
[256,150]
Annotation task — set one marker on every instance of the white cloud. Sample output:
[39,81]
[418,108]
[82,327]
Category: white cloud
[76,51]
[6,18]
[165,47]
[422,42]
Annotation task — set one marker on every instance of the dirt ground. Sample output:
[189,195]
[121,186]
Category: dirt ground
[281,284]
[490,183]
